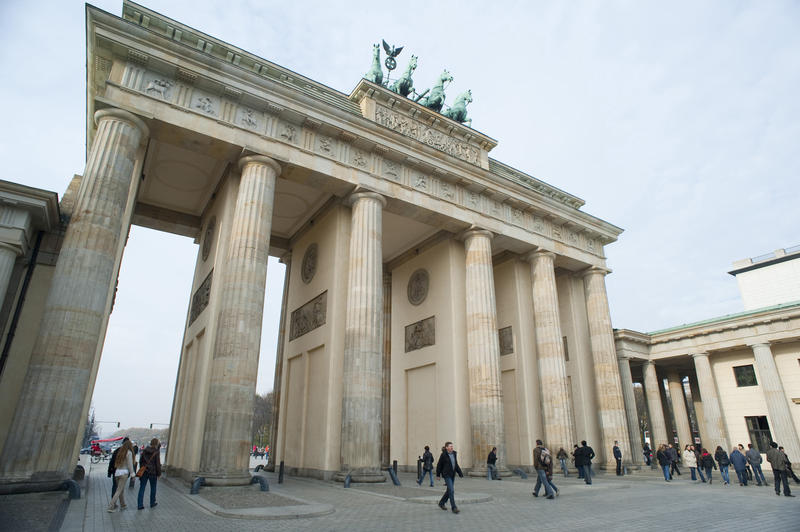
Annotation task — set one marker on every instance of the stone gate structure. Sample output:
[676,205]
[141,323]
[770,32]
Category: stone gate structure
[432,293]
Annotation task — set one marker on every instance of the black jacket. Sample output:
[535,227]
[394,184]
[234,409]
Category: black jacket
[445,469]
[706,462]
[492,458]
[583,455]
[151,457]
[427,461]
[111,468]
[663,458]
[722,458]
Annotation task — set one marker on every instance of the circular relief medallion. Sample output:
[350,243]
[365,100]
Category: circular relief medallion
[309,266]
[208,237]
[418,287]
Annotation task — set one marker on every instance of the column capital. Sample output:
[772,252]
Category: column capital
[699,355]
[536,253]
[760,344]
[286,258]
[476,231]
[16,250]
[262,160]
[119,114]
[595,270]
[365,194]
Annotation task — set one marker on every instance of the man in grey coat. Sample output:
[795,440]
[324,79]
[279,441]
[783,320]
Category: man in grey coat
[754,459]
[778,462]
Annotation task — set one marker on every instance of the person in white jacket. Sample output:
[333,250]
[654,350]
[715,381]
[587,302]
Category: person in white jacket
[690,461]
[124,469]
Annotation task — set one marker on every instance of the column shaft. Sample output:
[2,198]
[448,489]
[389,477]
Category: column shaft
[276,382]
[362,379]
[227,438]
[655,411]
[555,397]
[697,403]
[715,425]
[610,402]
[483,353]
[387,369]
[8,257]
[678,398]
[632,414]
[781,423]
[44,432]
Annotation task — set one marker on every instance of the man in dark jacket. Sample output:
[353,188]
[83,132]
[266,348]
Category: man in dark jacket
[447,467]
[583,461]
[778,462]
[618,457]
[754,459]
[542,462]
[739,463]
[491,469]
[427,465]
[673,460]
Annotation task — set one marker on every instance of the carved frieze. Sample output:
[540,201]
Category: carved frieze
[309,317]
[309,265]
[421,132]
[506,338]
[208,237]
[421,334]
[201,298]
[418,287]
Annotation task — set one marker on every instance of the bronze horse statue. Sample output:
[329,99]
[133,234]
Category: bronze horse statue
[375,74]
[458,111]
[435,100]
[404,83]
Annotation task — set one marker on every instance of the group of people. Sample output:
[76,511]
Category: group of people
[746,464]
[122,467]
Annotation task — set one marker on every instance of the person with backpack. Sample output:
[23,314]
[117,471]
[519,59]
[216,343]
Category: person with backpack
[724,462]
[427,466]
[542,462]
[583,461]
[707,462]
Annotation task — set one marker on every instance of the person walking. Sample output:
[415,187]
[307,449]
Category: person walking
[583,461]
[491,469]
[123,467]
[562,458]
[778,462]
[151,460]
[724,462]
[673,460]
[447,467]
[618,457]
[542,462]
[664,460]
[690,461]
[706,463]
[739,463]
[427,466]
[647,453]
[754,459]
[112,467]
[789,471]
[575,456]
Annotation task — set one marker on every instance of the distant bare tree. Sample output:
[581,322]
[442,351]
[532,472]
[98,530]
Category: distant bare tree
[262,419]
[90,430]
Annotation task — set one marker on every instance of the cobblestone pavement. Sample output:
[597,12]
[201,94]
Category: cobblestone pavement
[638,502]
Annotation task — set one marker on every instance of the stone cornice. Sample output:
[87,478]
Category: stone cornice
[41,204]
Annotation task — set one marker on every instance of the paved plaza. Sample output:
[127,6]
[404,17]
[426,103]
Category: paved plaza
[641,501]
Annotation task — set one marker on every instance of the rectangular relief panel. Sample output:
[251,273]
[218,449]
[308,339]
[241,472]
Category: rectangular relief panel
[309,317]
[421,334]
[201,298]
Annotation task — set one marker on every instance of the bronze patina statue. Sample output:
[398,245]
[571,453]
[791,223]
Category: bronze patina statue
[404,83]
[458,111]
[375,74]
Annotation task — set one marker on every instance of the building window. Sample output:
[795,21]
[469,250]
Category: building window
[758,428]
[745,376]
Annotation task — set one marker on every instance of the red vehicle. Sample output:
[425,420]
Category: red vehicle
[98,453]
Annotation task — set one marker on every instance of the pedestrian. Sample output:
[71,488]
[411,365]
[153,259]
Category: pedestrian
[491,469]
[562,458]
[754,459]
[778,462]
[583,461]
[690,461]
[151,461]
[724,462]
[112,467]
[427,466]
[789,472]
[648,453]
[673,460]
[575,455]
[706,463]
[542,462]
[664,461]
[123,468]
[447,468]
[739,463]
[618,457]
[747,469]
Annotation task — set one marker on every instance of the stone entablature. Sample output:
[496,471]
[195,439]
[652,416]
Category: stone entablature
[233,97]
[773,324]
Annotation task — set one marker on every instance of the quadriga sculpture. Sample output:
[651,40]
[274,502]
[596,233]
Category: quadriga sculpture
[375,74]
[404,83]
[458,111]
[435,100]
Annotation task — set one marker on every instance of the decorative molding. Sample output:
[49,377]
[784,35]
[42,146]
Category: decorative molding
[418,285]
[420,334]
[137,57]
[308,268]
[201,298]
[186,76]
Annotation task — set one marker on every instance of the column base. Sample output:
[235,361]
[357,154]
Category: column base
[483,471]
[365,474]
[8,486]
[232,478]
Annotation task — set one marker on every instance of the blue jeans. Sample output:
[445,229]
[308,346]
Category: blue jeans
[699,472]
[491,471]
[564,467]
[665,469]
[143,480]
[541,480]
[758,473]
[586,473]
[742,474]
[428,472]
[780,476]
[450,493]
[723,470]
[708,473]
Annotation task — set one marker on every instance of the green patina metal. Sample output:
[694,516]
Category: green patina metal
[435,100]
[404,83]
[375,74]
[458,111]
[728,317]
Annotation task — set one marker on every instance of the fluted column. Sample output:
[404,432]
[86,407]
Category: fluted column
[276,381]
[8,257]
[362,378]
[387,369]
[632,414]
[555,398]
[483,353]
[655,410]
[610,402]
[39,452]
[678,399]
[781,424]
[227,440]
[715,425]
[697,403]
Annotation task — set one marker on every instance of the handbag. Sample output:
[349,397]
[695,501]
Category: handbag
[143,469]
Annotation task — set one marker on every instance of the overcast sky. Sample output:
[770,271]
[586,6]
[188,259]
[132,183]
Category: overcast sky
[679,122]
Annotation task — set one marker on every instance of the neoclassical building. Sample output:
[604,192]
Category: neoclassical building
[432,293]
[742,370]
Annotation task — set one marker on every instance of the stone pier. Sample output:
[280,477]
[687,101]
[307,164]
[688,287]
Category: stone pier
[715,425]
[678,399]
[655,410]
[632,414]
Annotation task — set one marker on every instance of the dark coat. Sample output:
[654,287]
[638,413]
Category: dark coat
[492,458]
[445,469]
[663,458]
[427,461]
[672,453]
[111,467]
[738,460]
[722,458]
[151,457]
[584,455]
[617,453]
[706,461]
